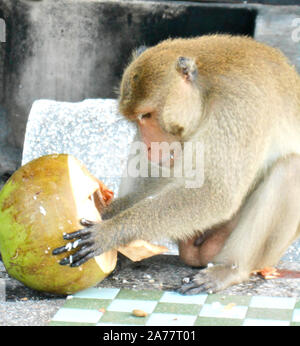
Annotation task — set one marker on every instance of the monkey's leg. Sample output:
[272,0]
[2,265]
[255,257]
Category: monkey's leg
[268,224]
[201,249]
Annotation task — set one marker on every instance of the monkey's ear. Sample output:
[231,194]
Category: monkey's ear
[187,68]
[138,51]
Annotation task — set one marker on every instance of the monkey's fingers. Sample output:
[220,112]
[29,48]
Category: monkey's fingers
[59,250]
[83,260]
[79,257]
[185,288]
[195,285]
[71,245]
[82,233]
[195,288]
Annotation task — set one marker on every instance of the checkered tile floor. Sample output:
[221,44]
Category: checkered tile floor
[113,306]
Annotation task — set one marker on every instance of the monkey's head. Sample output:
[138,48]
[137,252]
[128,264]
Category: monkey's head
[160,91]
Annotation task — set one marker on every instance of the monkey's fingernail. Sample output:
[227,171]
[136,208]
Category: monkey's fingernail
[186,280]
[76,243]
[68,246]
[86,222]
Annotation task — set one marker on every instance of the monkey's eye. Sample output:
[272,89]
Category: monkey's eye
[144,116]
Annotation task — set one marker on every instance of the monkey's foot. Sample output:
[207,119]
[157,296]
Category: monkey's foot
[84,243]
[213,279]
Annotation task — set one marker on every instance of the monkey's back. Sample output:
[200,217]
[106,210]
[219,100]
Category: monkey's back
[219,53]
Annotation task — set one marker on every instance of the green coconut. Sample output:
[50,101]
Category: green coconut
[42,200]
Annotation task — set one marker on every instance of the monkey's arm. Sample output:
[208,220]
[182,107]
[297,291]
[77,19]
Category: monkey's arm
[169,210]
[118,205]
[143,188]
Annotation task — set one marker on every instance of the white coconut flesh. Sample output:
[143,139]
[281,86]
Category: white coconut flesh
[84,185]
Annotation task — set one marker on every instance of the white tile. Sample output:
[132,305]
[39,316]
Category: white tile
[77,315]
[219,310]
[296,315]
[161,319]
[261,322]
[272,302]
[98,293]
[174,297]
[127,305]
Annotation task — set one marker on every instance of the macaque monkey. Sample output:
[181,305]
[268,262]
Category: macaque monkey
[241,100]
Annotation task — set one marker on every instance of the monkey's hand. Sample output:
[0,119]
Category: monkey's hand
[214,279]
[84,244]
